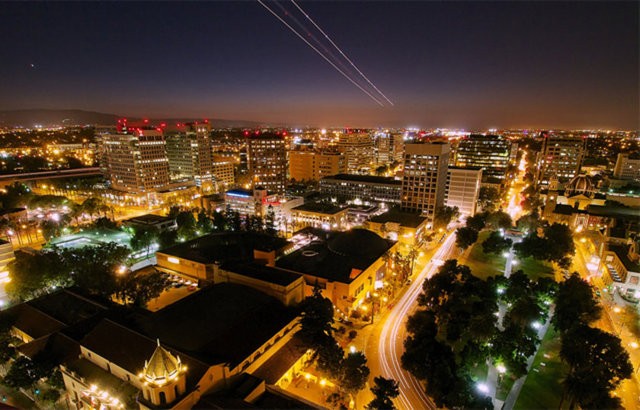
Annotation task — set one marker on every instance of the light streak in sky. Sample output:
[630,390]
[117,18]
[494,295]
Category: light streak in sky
[320,53]
[341,52]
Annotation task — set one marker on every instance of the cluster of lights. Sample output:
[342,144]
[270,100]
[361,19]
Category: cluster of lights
[102,399]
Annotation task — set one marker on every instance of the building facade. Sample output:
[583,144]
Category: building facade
[267,161]
[315,165]
[489,152]
[425,178]
[223,172]
[463,188]
[136,162]
[389,147]
[561,159]
[190,156]
[358,151]
[366,188]
[627,168]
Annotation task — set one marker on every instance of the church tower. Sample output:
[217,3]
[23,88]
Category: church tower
[164,378]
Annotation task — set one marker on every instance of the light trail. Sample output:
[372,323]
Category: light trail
[341,52]
[320,54]
[412,392]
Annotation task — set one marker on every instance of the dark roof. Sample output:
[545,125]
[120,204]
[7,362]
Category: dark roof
[56,347]
[129,349]
[336,255]
[32,321]
[274,398]
[265,273]
[622,251]
[149,219]
[11,211]
[613,211]
[563,209]
[395,215]
[466,168]
[221,324]
[67,307]
[94,374]
[225,246]
[277,365]
[365,178]
[319,207]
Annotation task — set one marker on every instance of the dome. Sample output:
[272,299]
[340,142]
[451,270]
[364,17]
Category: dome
[358,242]
[162,366]
[580,185]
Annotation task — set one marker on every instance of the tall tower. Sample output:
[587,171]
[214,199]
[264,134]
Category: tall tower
[267,160]
[561,158]
[164,378]
[190,155]
[425,177]
[489,152]
[358,151]
[136,161]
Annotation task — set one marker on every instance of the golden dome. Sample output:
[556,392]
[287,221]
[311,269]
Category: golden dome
[162,367]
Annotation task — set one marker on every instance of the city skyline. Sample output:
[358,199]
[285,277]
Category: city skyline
[458,65]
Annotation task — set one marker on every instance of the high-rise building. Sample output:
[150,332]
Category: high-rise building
[627,168]
[223,172]
[358,151]
[561,159]
[190,157]
[137,161]
[425,177]
[366,188]
[489,152]
[389,147]
[463,188]
[267,162]
[314,165]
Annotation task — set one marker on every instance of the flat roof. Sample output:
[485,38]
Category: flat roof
[225,246]
[335,255]
[261,272]
[245,193]
[371,179]
[622,251]
[320,207]
[149,219]
[277,365]
[395,215]
[223,323]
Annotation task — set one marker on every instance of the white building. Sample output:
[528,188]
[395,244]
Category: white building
[627,168]
[463,188]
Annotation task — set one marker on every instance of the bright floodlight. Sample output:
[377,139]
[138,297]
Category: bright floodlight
[536,325]
[352,349]
[505,254]
[482,387]
[501,369]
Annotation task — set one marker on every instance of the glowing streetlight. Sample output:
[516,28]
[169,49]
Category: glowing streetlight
[482,387]
[501,369]
[352,349]
[617,309]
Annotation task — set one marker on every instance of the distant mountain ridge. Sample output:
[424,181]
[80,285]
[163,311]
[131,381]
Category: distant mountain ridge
[48,118]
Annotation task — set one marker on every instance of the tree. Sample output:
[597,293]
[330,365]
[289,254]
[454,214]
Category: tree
[316,321]
[270,222]
[477,222]
[144,238]
[138,289]
[33,275]
[384,391]
[329,358]
[575,304]
[354,373]
[529,222]
[204,224]
[598,363]
[466,237]
[488,198]
[104,223]
[496,243]
[444,215]
[556,245]
[499,220]
[186,225]
[50,396]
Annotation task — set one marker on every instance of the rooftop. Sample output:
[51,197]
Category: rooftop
[245,193]
[364,178]
[223,323]
[622,251]
[395,215]
[225,247]
[335,255]
[265,273]
[320,207]
[148,219]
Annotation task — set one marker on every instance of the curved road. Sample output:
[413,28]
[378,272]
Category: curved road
[393,333]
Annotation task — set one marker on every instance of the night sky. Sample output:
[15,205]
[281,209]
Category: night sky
[443,64]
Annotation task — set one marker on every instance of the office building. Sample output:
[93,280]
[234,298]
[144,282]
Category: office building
[627,168]
[389,147]
[190,157]
[358,151]
[425,177]
[489,152]
[223,172]
[561,159]
[305,165]
[136,162]
[267,162]
[364,188]
[463,188]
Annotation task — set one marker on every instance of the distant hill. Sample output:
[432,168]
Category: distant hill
[47,118]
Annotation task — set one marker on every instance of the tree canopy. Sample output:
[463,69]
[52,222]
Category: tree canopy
[384,391]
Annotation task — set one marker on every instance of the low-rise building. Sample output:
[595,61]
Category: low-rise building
[620,268]
[319,215]
[408,228]
[463,189]
[362,188]
[161,223]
